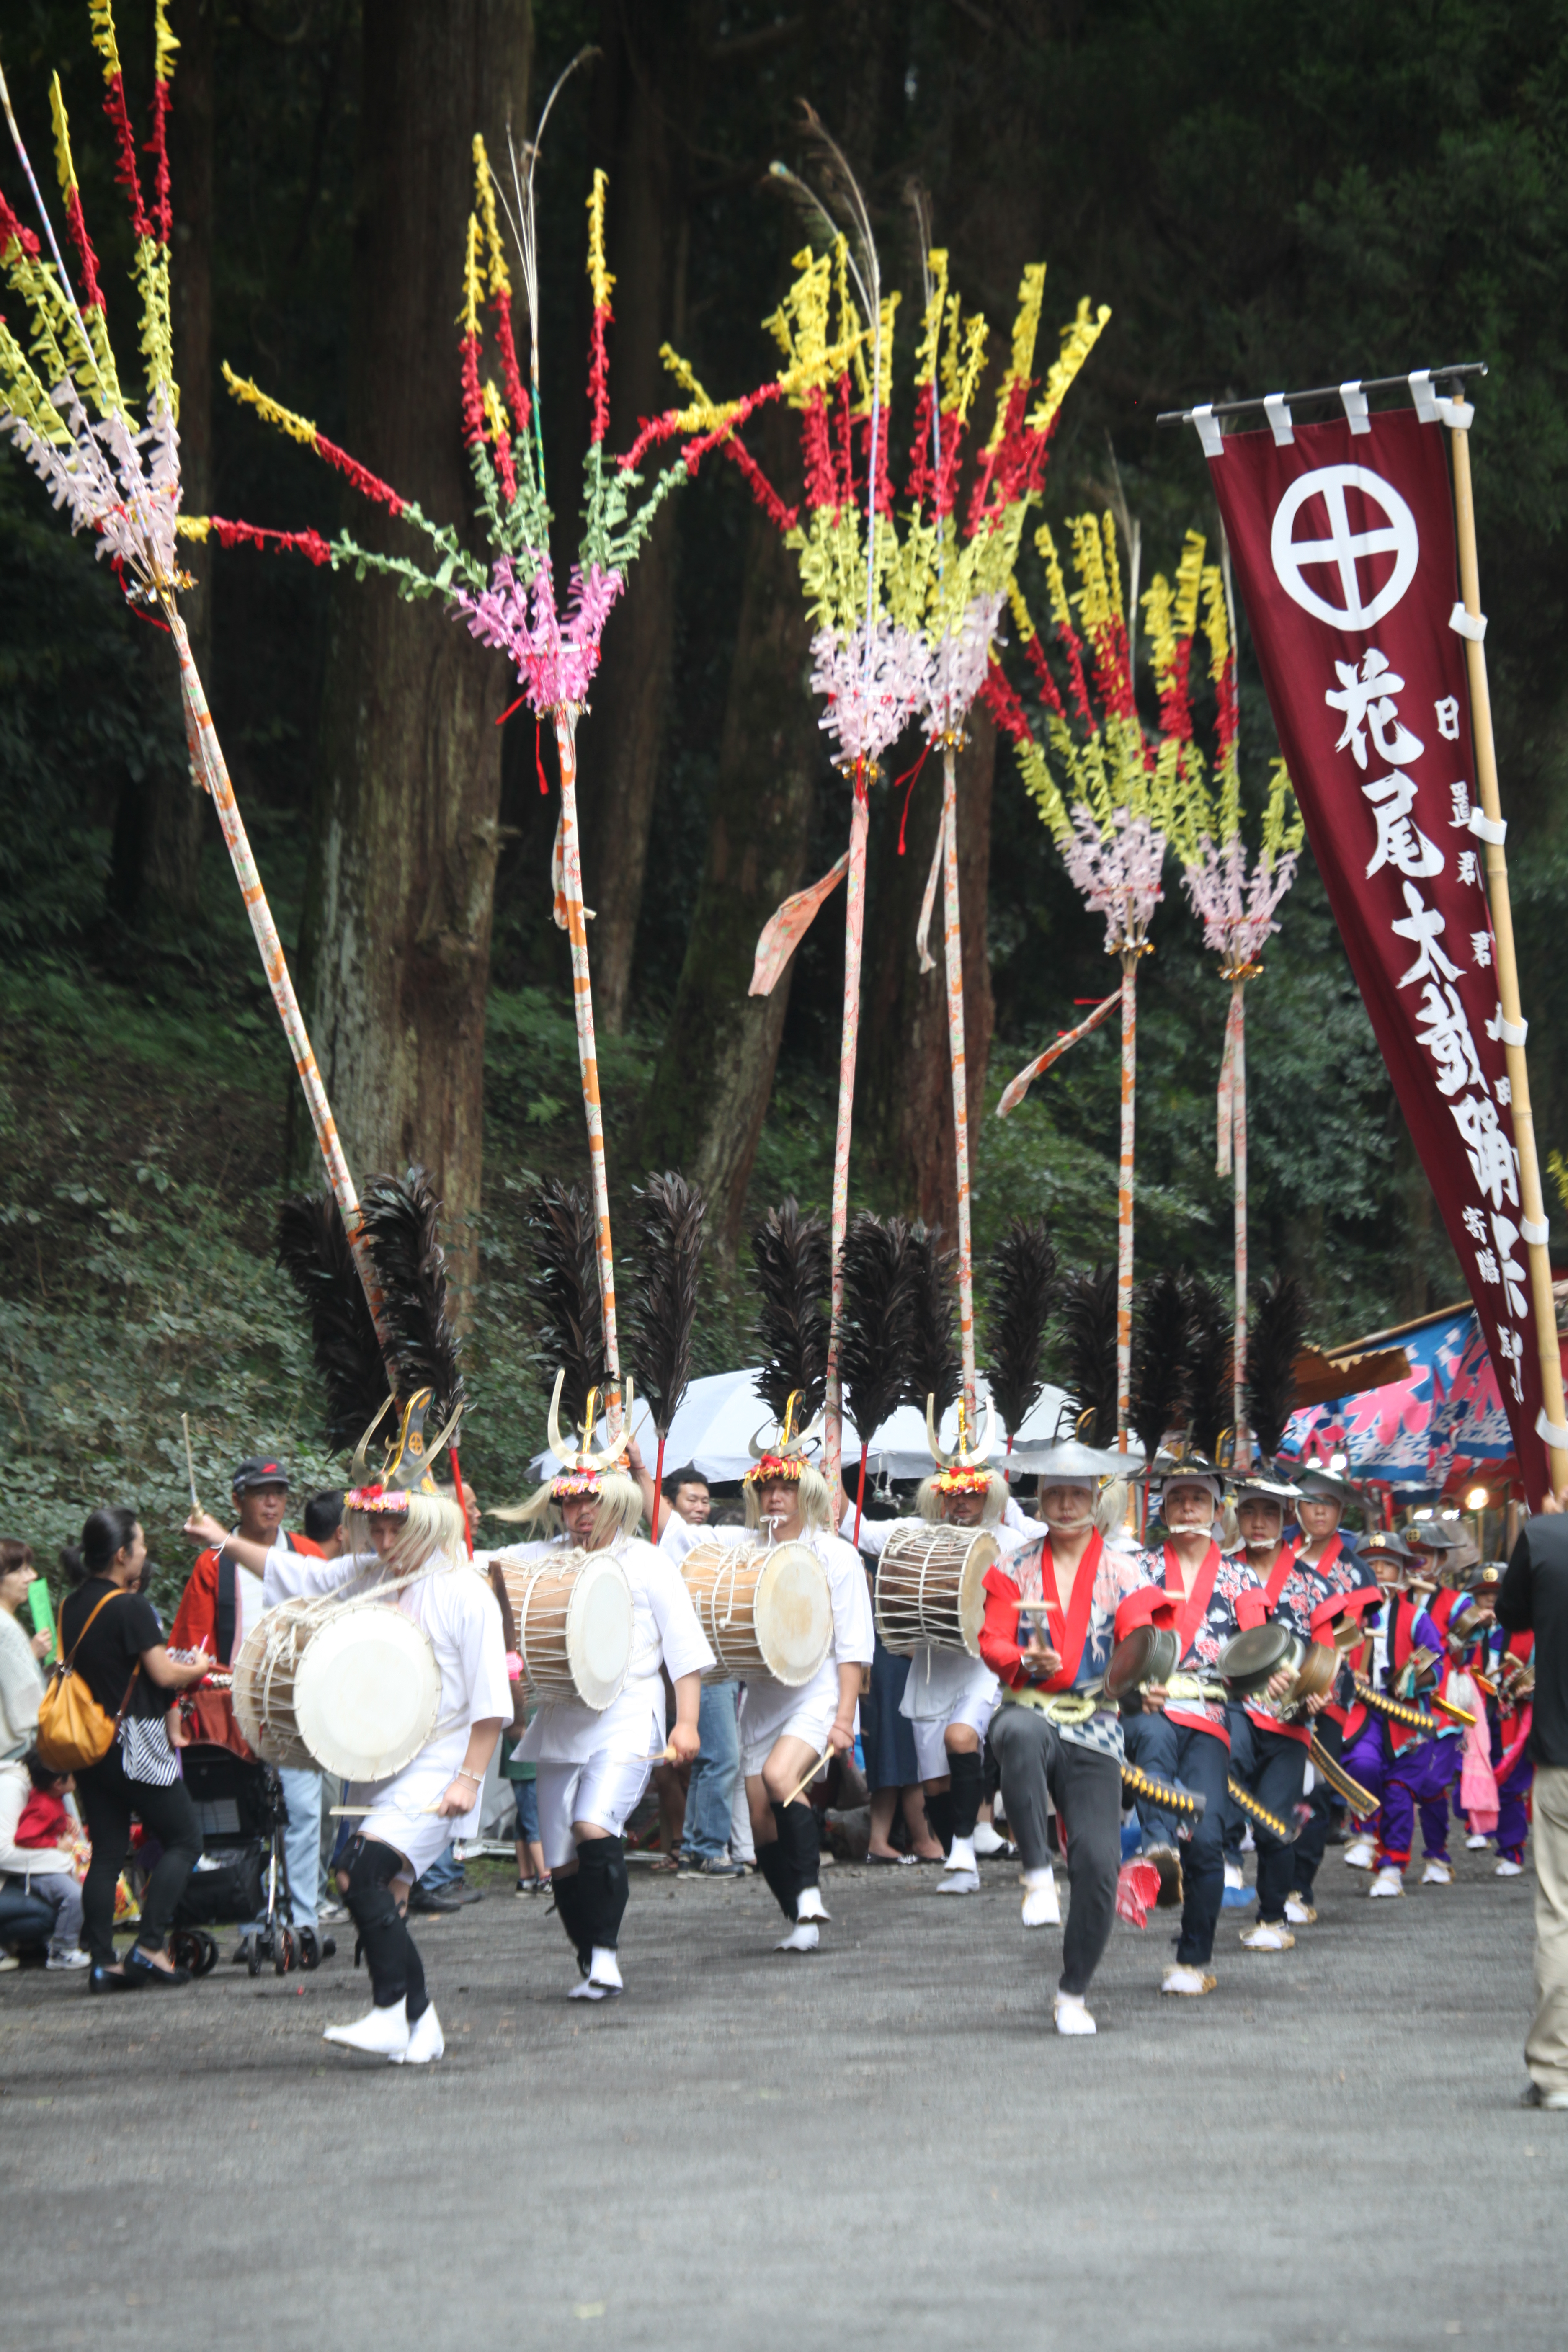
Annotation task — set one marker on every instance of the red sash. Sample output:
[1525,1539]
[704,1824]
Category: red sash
[1189,1607]
[1070,1627]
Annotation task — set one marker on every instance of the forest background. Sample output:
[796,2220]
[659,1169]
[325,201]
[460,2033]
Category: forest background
[1266,196]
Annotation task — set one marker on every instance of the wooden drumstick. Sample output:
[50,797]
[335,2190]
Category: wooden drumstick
[800,1789]
[190,1461]
[353,1812]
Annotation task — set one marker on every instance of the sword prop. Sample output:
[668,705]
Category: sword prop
[1360,1800]
[1190,1801]
[1414,1719]
[1285,1833]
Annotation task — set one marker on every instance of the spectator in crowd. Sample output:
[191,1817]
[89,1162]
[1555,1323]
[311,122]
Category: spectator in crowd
[37,1841]
[112,1637]
[21,1655]
[224,1598]
[892,1771]
[1533,1598]
[710,1791]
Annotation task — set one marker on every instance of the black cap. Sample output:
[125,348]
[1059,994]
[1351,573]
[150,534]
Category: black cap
[259,1470]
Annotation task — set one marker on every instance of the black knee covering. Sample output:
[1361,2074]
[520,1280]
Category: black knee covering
[942,1816]
[604,1885]
[389,1953]
[799,1825]
[776,1862]
[968,1778]
[570,1911]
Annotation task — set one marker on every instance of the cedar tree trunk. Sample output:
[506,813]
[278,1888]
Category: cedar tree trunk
[397,918]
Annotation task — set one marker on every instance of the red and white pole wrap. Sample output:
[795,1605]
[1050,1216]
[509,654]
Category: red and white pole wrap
[854,927]
[953,940]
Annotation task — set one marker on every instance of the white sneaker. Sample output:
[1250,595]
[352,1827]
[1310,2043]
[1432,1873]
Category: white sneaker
[1358,1854]
[587,1990]
[72,1959]
[1190,1981]
[380,2032]
[1507,1869]
[1437,1874]
[1388,1881]
[1298,1914]
[809,1905]
[1267,1937]
[802,1937]
[426,2041]
[1476,1843]
[8,1961]
[960,1882]
[1072,2016]
[985,1840]
[605,1970]
[960,1854]
[1233,1878]
[1041,1906]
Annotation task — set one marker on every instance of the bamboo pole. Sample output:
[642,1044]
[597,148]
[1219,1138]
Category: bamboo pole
[1124,1197]
[1532,1202]
[565,718]
[952,941]
[207,762]
[1243,1447]
[854,925]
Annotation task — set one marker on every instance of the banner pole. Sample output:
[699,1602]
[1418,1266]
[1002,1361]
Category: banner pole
[1242,1442]
[1125,1198]
[953,944]
[1531,1203]
[853,919]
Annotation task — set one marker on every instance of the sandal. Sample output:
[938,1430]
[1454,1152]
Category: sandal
[891,1861]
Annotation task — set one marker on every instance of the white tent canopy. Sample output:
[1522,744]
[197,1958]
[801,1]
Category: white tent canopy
[720,1416]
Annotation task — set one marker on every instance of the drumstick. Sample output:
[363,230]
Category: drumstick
[810,1775]
[190,1461]
[341,1812]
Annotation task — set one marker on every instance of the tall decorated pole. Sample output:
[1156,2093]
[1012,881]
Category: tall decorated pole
[510,603]
[119,477]
[1236,905]
[952,586]
[1112,836]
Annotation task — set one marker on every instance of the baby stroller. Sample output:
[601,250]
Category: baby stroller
[242,1874]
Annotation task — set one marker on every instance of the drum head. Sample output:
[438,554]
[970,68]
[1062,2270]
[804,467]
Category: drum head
[1147,1655]
[599,1630]
[366,1691]
[983,1554]
[1246,1663]
[793,1614]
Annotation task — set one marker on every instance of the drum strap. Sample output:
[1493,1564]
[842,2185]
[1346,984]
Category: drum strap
[1070,1627]
[227,1612]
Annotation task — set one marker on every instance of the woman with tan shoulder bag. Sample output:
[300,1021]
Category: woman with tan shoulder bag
[110,1641]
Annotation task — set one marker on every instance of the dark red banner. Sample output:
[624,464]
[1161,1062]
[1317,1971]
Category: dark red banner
[1343,545]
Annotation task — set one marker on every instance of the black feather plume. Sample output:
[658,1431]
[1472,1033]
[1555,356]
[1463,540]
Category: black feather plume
[1023,1288]
[1161,1327]
[1211,1405]
[564,1290]
[793,1277]
[1274,1340]
[313,1251]
[935,1367]
[879,1319]
[1089,1330]
[669,1221]
[402,1225]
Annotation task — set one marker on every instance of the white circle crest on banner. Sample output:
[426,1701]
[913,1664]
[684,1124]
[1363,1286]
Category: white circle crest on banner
[1344,548]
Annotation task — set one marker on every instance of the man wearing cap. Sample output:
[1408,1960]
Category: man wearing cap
[1187,1739]
[224,1598]
[1054,1743]
[1402,1766]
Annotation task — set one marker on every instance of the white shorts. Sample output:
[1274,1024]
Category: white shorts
[769,1713]
[975,1708]
[604,1789]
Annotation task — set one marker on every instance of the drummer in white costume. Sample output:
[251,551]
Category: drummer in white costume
[399,1528]
[785,1731]
[949,1696]
[593,1766]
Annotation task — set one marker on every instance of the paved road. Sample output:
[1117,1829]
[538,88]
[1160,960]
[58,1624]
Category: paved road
[882,2145]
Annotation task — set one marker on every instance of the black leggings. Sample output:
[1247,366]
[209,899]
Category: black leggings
[397,1971]
[108,1801]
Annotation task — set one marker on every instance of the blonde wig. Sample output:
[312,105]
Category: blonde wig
[430,1533]
[815,1501]
[930,1498]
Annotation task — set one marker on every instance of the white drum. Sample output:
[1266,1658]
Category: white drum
[344,1686]
[763,1611]
[573,1616]
[931,1589]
